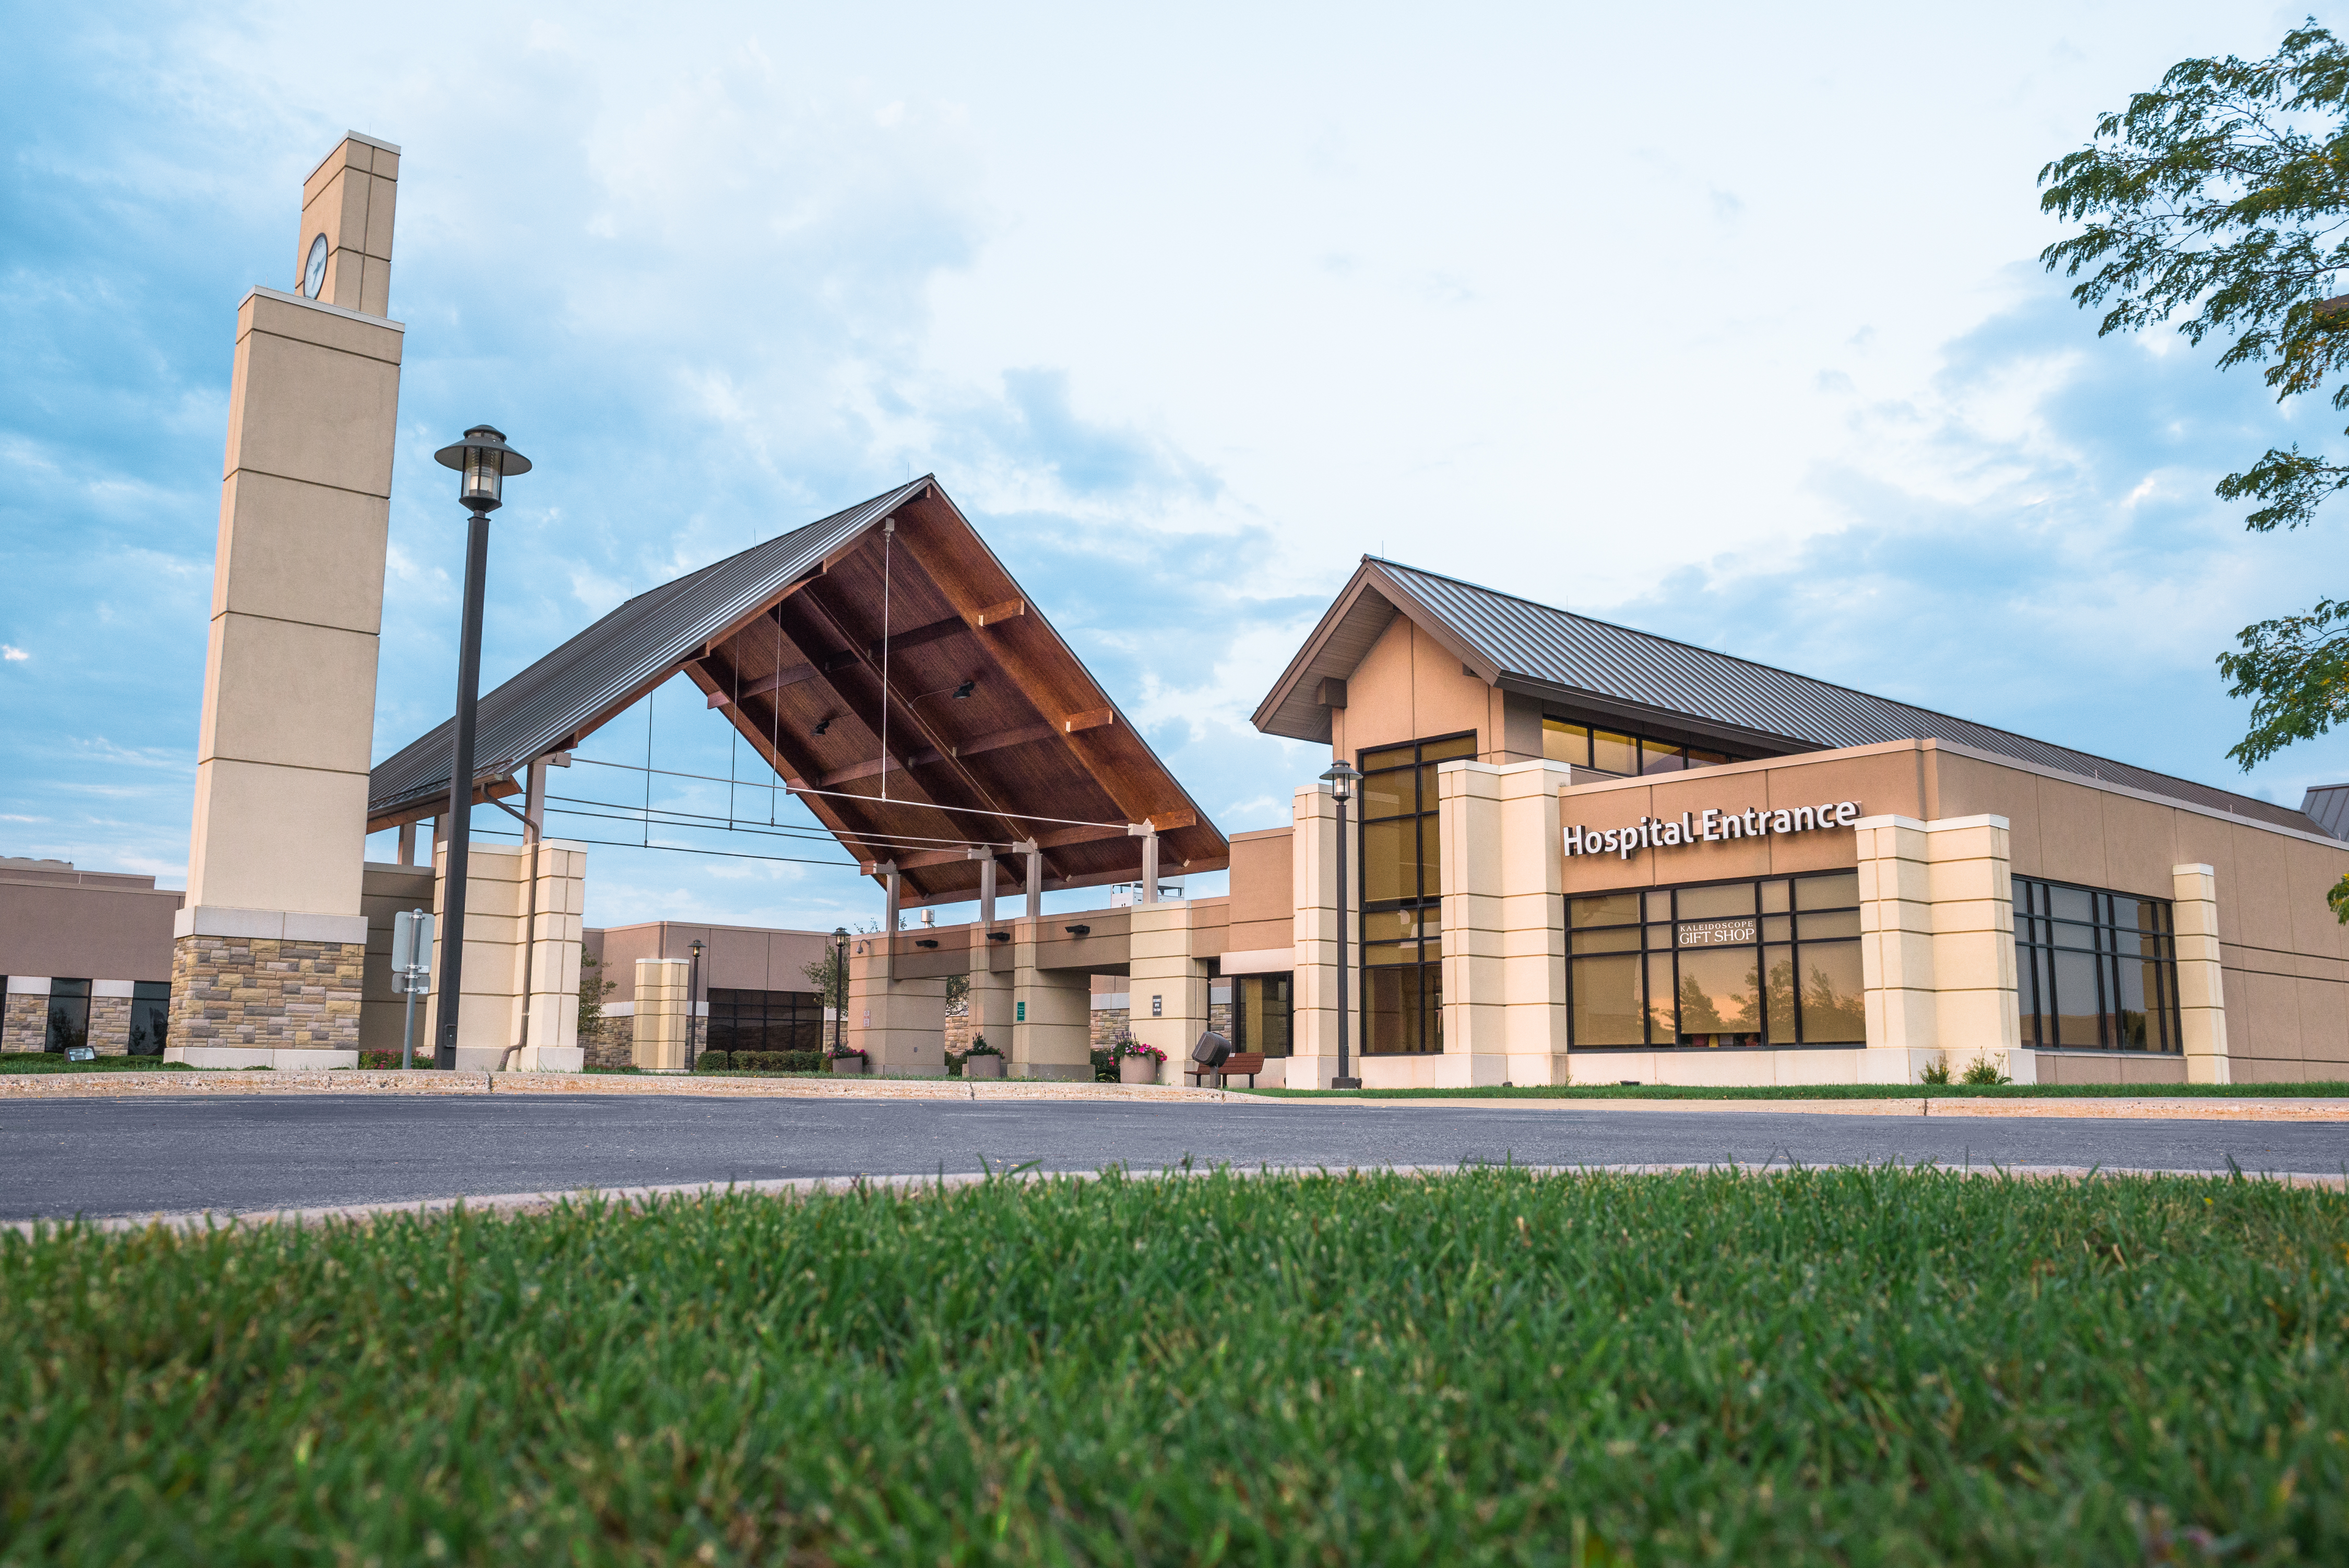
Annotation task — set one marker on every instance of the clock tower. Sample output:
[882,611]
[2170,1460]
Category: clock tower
[271,943]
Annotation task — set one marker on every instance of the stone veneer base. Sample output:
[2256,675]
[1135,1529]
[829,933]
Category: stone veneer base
[265,994]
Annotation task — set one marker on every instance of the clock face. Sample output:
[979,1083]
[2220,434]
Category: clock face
[313,271]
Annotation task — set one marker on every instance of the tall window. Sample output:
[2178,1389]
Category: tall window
[1626,756]
[766,1020]
[1402,897]
[150,1011]
[1260,1014]
[1767,962]
[2095,970]
[69,1015]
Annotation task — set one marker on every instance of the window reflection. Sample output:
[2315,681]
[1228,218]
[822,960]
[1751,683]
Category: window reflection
[2095,970]
[1720,970]
[1616,752]
[1402,891]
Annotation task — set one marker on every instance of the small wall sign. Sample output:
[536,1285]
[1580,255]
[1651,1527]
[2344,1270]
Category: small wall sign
[1738,932]
[1019,1012]
[1157,1006]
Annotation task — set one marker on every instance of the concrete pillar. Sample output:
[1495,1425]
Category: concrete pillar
[498,918]
[269,951]
[1035,880]
[661,986]
[407,843]
[1937,947]
[1149,865]
[1052,1013]
[1313,1059]
[986,859]
[2201,990]
[1504,923]
[1167,986]
[553,1005]
[901,1025]
[990,991]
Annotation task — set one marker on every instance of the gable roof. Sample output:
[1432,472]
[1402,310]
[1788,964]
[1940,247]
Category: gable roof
[1600,669]
[995,731]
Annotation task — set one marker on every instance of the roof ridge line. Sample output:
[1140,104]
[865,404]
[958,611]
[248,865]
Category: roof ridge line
[1812,680]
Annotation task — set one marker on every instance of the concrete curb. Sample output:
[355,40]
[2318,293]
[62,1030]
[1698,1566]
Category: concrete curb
[119,1086]
[2182,1109]
[507,1205]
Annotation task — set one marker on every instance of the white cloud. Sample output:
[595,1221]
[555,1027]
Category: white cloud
[13,653]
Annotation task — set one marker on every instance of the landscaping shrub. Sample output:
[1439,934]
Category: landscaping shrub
[1849,1367]
[760,1061]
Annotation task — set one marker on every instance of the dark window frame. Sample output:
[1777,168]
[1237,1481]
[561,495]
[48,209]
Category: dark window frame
[2039,992]
[1641,948]
[57,1035]
[1427,972]
[801,1012]
[1286,980]
[1640,743]
[149,998]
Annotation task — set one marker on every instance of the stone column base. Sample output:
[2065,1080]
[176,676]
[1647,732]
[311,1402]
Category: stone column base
[259,985]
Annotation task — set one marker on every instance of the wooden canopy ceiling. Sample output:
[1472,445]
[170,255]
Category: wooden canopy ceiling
[1033,750]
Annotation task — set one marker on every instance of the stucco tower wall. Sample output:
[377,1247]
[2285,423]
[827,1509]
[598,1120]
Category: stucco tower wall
[283,747]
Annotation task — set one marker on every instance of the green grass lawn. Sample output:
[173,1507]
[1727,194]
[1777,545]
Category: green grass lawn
[2332,1090]
[1837,1367]
[47,1062]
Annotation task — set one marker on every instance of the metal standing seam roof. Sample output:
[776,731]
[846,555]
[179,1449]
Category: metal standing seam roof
[608,665]
[2327,806]
[1521,641]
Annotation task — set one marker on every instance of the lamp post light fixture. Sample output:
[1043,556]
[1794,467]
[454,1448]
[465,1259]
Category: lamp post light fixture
[1341,779]
[839,989]
[483,460]
[693,1005]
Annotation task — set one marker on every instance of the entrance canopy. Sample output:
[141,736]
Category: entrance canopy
[893,616]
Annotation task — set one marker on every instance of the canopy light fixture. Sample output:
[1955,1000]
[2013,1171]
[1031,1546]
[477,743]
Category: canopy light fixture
[965,690]
[822,725]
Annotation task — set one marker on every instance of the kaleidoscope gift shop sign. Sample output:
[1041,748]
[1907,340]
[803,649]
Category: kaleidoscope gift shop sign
[1710,826]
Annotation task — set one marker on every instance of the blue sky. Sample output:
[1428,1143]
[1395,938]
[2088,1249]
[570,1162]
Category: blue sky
[1721,324]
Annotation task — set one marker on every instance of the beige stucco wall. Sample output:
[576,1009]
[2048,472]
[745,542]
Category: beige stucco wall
[1409,688]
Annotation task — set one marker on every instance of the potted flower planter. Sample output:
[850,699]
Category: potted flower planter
[1137,1069]
[982,1067]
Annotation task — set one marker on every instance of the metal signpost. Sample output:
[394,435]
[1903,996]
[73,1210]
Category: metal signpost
[412,970]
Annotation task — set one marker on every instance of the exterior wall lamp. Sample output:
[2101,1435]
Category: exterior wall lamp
[693,1005]
[483,460]
[1341,779]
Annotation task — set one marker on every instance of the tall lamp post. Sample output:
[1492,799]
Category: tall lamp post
[839,989]
[483,460]
[693,1005]
[1341,779]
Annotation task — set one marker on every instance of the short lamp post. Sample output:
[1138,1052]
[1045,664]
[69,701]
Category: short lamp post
[693,1005]
[838,989]
[1341,779]
[483,460]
